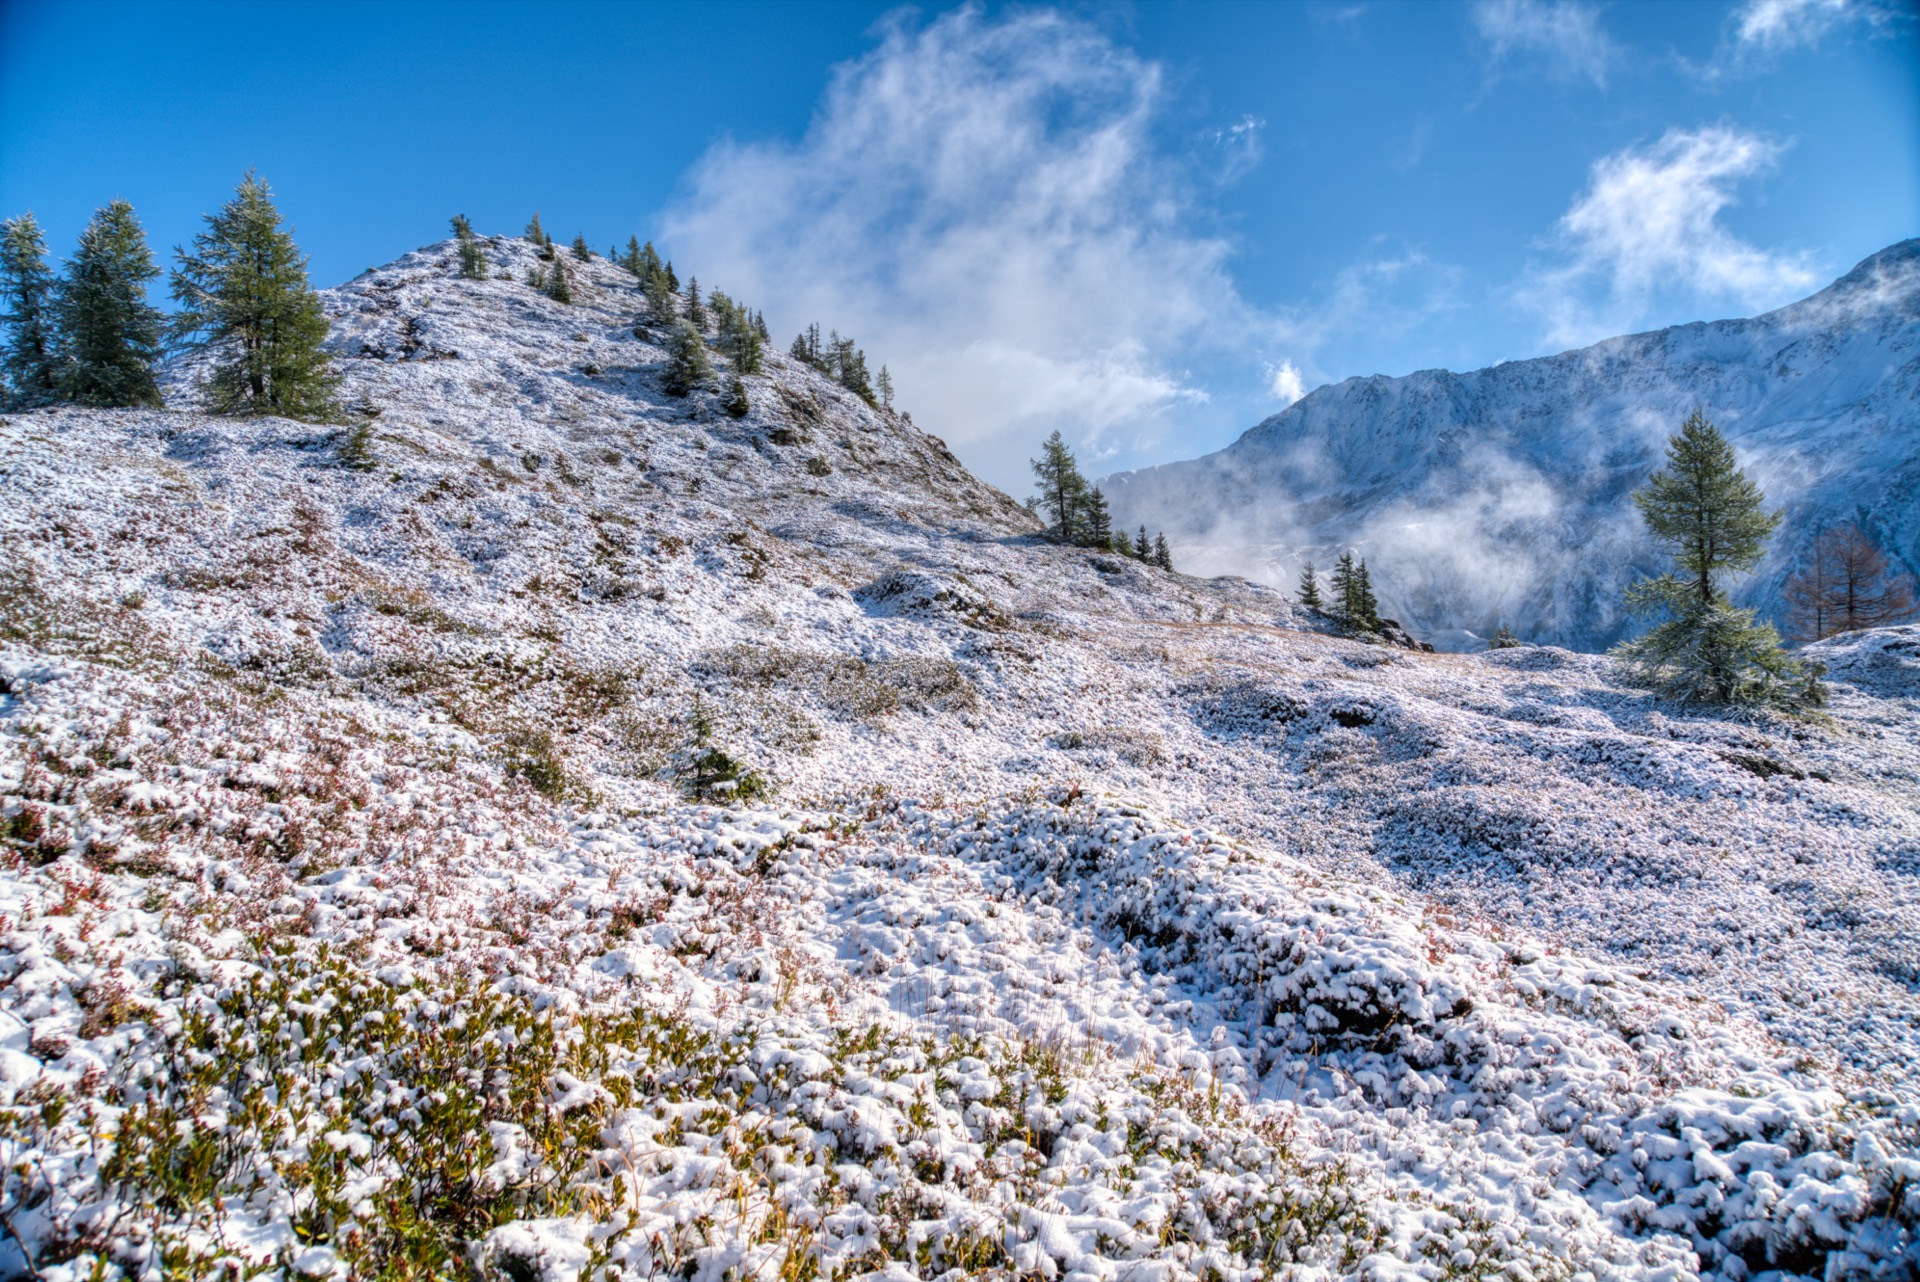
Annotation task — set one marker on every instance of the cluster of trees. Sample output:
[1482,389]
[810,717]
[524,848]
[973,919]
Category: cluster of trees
[1349,598]
[1078,513]
[1844,586]
[473,259]
[90,337]
[841,360]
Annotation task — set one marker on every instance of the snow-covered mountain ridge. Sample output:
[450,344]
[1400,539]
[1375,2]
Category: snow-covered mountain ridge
[1095,923]
[1503,495]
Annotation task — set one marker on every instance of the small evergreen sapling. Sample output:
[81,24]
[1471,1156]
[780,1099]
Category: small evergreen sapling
[580,251]
[473,259]
[27,290]
[1142,545]
[559,287]
[696,310]
[1310,588]
[243,292]
[687,363]
[1504,639]
[1162,554]
[736,403]
[109,335]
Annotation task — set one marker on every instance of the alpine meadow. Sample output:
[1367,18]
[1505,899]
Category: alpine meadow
[530,765]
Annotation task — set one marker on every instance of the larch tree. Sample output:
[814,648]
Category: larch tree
[883,385]
[27,291]
[110,335]
[1063,491]
[1099,522]
[244,295]
[1845,586]
[1714,522]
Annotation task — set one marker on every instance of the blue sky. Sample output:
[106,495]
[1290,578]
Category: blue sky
[1148,225]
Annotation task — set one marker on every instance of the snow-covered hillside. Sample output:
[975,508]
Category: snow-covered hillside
[1502,495]
[1089,922]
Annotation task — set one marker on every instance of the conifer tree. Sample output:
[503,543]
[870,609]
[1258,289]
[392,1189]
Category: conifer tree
[1366,608]
[673,281]
[473,260]
[580,250]
[848,364]
[884,386]
[1845,586]
[1310,588]
[109,335]
[559,287]
[738,337]
[1063,491]
[696,310]
[1162,554]
[1099,521]
[1713,520]
[659,298]
[1142,545]
[687,364]
[542,242]
[244,293]
[632,260]
[736,403]
[806,348]
[1122,543]
[760,327]
[1504,639]
[27,290]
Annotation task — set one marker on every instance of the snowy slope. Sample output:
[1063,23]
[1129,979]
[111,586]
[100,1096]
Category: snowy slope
[1502,495]
[1097,923]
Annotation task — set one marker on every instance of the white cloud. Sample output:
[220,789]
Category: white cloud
[1771,25]
[982,202]
[1648,226]
[1567,34]
[1285,383]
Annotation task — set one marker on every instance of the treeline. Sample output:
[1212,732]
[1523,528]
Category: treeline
[737,332]
[1078,513]
[88,335]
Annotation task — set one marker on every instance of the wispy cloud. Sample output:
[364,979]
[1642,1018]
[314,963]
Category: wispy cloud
[1773,25]
[1563,34]
[983,202]
[1649,226]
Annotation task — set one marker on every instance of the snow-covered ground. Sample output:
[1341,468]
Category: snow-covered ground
[1094,922]
[1503,495]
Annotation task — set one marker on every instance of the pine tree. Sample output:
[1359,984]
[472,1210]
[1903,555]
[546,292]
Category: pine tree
[632,261]
[542,243]
[1162,554]
[1366,608]
[1142,545]
[738,337]
[673,281]
[109,335]
[736,404]
[1310,588]
[580,250]
[884,386]
[687,364]
[1063,491]
[559,287]
[696,311]
[806,348]
[1122,543]
[1504,639]
[1712,519]
[27,289]
[848,364]
[1099,521]
[1340,582]
[659,298]
[760,327]
[473,260]
[244,293]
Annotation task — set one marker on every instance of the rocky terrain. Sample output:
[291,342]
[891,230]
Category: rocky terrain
[557,830]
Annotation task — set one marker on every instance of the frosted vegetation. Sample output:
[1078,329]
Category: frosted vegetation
[545,826]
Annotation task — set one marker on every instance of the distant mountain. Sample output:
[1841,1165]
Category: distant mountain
[1502,495]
